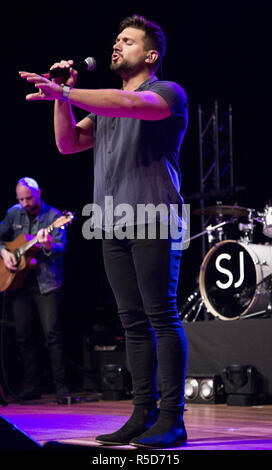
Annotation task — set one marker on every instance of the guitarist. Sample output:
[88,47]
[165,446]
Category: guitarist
[41,288]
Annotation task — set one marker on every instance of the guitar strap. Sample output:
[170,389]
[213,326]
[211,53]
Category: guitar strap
[31,220]
[31,282]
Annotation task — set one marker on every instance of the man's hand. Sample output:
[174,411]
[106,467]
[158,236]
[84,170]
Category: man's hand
[9,259]
[50,89]
[45,239]
[65,65]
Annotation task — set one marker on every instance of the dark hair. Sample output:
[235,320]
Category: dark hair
[155,38]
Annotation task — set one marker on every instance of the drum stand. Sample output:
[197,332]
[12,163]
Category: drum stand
[192,303]
[195,310]
[256,314]
[210,229]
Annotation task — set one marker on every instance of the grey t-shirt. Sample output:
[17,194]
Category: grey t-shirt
[136,161]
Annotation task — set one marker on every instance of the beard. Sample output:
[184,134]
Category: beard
[125,68]
[35,209]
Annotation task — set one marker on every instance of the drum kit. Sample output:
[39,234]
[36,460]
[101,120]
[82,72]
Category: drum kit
[235,277]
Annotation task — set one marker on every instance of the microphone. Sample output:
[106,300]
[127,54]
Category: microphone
[87,64]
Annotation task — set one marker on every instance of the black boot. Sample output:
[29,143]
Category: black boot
[142,418]
[168,431]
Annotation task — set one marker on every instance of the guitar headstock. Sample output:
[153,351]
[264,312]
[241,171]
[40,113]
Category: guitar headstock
[65,219]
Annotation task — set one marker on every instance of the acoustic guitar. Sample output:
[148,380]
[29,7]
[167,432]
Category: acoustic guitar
[24,247]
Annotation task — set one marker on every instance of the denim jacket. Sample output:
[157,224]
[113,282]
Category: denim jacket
[49,269]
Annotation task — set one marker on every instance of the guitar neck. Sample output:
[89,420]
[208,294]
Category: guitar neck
[33,241]
[65,219]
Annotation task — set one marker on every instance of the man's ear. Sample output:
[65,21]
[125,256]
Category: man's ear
[152,56]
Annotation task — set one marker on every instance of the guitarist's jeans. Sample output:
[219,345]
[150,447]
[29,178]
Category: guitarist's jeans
[144,277]
[48,308]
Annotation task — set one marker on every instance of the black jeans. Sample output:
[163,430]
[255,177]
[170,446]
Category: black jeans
[24,304]
[144,276]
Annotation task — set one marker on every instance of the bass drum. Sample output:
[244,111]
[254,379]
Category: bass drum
[232,279]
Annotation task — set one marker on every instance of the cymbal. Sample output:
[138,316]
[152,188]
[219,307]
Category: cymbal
[220,210]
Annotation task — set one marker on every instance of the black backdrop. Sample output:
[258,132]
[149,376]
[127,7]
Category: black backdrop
[215,50]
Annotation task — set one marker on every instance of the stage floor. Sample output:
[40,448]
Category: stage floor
[209,427]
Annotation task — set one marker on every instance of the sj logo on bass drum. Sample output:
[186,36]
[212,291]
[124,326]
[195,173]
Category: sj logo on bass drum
[229,276]
[228,273]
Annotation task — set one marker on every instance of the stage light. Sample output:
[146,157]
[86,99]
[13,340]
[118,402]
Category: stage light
[204,389]
[241,385]
[191,389]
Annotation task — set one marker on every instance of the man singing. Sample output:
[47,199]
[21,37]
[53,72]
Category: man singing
[136,133]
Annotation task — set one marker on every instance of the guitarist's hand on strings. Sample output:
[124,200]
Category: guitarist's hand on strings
[9,259]
[45,239]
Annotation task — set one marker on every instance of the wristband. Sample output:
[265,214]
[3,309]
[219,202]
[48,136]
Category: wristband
[65,92]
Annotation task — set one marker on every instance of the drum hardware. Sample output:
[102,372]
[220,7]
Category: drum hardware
[248,232]
[211,229]
[198,308]
[220,210]
[265,218]
[193,306]
[260,288]
[190,302]
[251,315]
[215,234]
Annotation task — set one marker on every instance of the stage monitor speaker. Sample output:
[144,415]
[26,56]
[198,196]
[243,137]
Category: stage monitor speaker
[14,439]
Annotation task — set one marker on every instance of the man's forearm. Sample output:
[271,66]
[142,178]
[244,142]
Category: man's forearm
[120,103]
[65,127]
